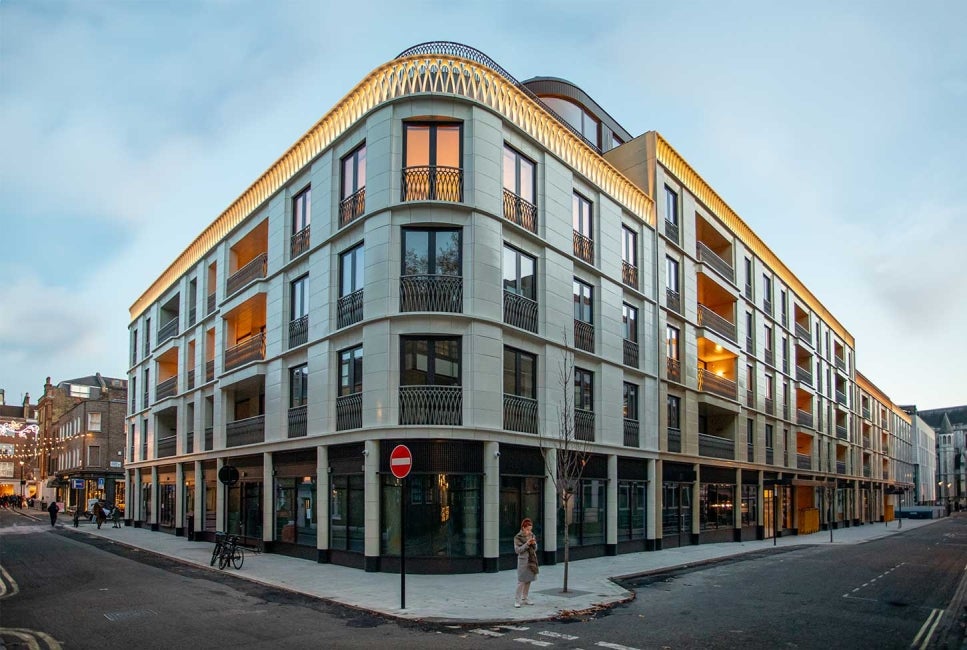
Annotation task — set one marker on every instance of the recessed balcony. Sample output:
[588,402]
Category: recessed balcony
[716,447]
[841,432]
[841,467]
[432,183]
[168,330]
[352,207]
[804,375]
[802,333]
[166,388]
[247,431]
[431,405]
[804,418]
[709,257]
[253,270]
[710,382]
[440,293]
[804,461]
[253,349]
[519,211]
[520,414]
[718,324]
[167,446]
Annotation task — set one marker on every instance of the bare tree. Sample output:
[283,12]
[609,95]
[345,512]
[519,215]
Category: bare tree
[566,466]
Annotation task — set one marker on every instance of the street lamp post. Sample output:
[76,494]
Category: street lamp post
[21,481]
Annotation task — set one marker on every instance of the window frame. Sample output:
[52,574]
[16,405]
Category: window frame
[677,420]
[301,220]
[354,158]
[672,271]
[629,245]
[432,142]
[299,297]
[518,159]
[431,358]
[351,359]
[583,389]
[631,389]
[671,206]
[431,261]
[356,255]
[626,311]
[578,215]
[518,279]
[518,355]
[668,342]
[302,372]
[579,301]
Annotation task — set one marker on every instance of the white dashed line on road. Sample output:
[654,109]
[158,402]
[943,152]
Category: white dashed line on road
[541,644]
[614,646]
[484,632]
[558,635]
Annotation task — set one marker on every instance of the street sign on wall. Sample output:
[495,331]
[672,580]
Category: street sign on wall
[77,483]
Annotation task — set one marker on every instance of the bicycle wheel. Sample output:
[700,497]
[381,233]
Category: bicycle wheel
[238,557]
[215,552]
[223,559]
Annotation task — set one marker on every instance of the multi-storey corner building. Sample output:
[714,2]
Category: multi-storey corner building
[405,273]
[950,426]
[18,448]
[82,432]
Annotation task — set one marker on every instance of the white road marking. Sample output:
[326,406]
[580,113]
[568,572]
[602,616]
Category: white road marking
[484,632]
[515,628]
[542,644]
[614,646]
[928,629]
[558,635]
[7,579]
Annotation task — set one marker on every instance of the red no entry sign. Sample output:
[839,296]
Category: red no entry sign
[400,461]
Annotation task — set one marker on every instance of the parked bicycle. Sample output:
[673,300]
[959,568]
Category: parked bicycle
[231,552]
[216,552]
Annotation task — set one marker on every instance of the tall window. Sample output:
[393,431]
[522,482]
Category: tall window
[770,437]
[671,342]
[671,206]
[134,347]
[147,384]
[520,373]
[629,246]
[351,371]
[671,274]
[576,116]
[351,271]
[431,252]
[583,389]
[93,421]
[298,386]
[583,302]
[299,298]
[748,277]
[430,361]
[674,412]
[750,431]
[301,210]
[352,199]
[629,322]
[768,341]
[147,337]
[581,216]
[519,176]
[519,273]
[630,401]
[431,162]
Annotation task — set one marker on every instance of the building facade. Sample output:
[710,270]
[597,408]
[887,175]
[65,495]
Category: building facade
[18,448]
[405,273]
[950,425]
[82,432]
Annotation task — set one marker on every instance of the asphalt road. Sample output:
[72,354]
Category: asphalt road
[64,592]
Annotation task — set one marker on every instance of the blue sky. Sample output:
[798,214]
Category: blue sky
[836,130]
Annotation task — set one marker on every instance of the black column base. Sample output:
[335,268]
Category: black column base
[372,564]
[653,545]
[179,532]
[128,522]
[610,550]
[760,532]
[696,539]
[548,558]
[491,565]
[322,555]
[137,524]
[155,528]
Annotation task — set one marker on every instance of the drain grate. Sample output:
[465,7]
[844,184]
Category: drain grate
[129,614]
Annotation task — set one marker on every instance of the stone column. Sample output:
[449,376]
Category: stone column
[268,497]
[371,483]
[155,498]
[696,503]
[491,509]
[179,500]
[653,506]
[611,534]
[550,508]
[221,495]
[323,488]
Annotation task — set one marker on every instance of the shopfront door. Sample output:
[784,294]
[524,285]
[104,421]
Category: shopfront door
[676,514]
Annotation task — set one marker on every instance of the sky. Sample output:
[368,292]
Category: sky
[836,130]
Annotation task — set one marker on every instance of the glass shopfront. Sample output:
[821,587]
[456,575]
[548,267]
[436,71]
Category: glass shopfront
[750,504]
[146,502]
[520,496]
[346,513]
[295,511]
[587,514]
[444,517]
[716,503]
[166,505]
[244,511]
[631,510]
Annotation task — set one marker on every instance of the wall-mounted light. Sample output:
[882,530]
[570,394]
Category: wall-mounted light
[365,452]
[497,454]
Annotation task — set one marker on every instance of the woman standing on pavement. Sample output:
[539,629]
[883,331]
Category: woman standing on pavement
[525,546]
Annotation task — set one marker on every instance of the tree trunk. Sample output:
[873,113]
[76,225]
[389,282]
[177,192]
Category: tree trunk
[567,542]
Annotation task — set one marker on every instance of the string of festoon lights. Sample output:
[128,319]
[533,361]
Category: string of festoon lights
[29,449]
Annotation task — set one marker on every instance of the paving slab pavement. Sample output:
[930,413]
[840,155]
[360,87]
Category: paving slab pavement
[475,597]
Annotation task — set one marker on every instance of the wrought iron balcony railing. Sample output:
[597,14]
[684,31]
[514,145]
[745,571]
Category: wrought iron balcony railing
[804,418]
[431,293]
[209,370]
[583,425]
[299,331]
[210,303]
[441,405]
[190,378]
[192,314]
[520,311]
[841,432]
[584,247]
[770,357]
[166,388]
[716,323]
[709,382]
[802,333]
[632,432]
[349,309]
[297,421]
[673,369]
[583,335]
[299,243]
[674,440]
[209,438]
[841,397]
[190,442]
[767,306]
[840,363]
[841,467]
[167,446]
[630,353]
[750,453]
[804,461]
[748,290]
[352,207]
[247,431]
[673,300]
[432,183]
[349,412]
[671,231]
[254,270]
[629,274]
[770,406]
[707,256]
[715,447]
[804,375]
[168,330]
[520,413]
[519,211]
[770,456]
[251,350]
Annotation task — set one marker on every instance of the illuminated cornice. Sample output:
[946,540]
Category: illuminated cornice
[409,76]
[677,165]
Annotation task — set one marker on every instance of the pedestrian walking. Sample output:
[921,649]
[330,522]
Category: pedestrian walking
[99,515]
[525,546]
[116,517]
[77,516]
[53,509]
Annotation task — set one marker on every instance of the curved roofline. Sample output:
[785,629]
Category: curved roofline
[590,103]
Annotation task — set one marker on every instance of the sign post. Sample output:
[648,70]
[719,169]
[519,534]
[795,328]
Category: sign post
[400,464]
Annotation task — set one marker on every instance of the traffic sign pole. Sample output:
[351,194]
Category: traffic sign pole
[400,464]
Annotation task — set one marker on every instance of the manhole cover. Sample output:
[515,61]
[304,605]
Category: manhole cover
[128,614]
